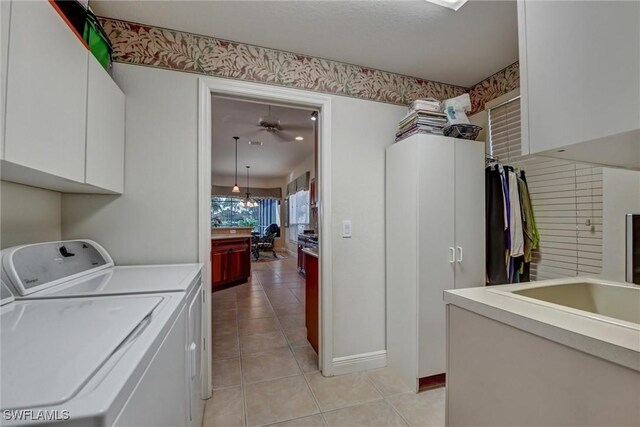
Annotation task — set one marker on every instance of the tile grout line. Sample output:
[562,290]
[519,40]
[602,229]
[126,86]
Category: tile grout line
[302,373]
[242,384]
[384,397]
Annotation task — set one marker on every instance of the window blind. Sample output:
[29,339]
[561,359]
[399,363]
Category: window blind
[566,198]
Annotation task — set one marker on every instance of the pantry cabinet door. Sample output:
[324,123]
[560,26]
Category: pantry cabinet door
[105,130]
[46,92]
[436,248]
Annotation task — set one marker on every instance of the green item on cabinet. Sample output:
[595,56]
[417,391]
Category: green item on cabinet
[98,41]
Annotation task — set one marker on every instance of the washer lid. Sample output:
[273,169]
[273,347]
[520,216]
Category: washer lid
[127,280]
[5,294]
[51,348]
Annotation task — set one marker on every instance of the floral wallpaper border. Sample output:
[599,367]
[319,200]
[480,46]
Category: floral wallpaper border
[504,81]
[157,47]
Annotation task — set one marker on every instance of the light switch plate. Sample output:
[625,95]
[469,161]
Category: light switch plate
[346,228]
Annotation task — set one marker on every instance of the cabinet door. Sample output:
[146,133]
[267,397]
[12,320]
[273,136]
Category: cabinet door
[579,71]
[46,92]
[436,239]
[218,268]
[401,190]
[238,262]
[469,214]
[105,130]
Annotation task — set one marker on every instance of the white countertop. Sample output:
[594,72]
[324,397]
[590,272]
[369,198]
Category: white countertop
[609,340]
[311,251]
[229,236]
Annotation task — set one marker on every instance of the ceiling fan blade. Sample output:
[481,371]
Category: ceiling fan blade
[281,137]
[293,127]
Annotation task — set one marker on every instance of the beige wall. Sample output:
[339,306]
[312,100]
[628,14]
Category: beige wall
[28,215]
[155,220]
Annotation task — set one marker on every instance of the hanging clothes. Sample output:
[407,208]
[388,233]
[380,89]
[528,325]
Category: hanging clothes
[510,226]
[495,228]
[531,235]
[515,220]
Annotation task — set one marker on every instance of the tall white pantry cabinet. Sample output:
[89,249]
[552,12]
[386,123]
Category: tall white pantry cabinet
[435,233]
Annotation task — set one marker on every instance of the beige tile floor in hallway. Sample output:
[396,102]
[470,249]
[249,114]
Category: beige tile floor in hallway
[266,373]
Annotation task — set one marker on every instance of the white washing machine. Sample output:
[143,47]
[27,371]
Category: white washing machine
[81,271]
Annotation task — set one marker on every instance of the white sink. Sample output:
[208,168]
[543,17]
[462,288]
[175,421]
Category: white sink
[616,303]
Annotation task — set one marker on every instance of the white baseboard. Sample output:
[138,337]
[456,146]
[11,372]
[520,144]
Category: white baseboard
[359,362]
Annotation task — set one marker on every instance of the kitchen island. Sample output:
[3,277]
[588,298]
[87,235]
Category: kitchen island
[230,256]
[557,352]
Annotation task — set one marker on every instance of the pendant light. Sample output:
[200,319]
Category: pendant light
[236,189]
[248,202]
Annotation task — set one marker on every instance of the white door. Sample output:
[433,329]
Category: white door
[105,130]
[469,214]
[194,358]
[46,92]
[436,249]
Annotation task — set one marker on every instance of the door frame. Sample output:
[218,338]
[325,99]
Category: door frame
[208,86]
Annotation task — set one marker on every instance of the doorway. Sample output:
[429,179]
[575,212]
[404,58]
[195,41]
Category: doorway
[270,305]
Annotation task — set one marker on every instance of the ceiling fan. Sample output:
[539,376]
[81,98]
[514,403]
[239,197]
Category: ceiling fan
[272,125]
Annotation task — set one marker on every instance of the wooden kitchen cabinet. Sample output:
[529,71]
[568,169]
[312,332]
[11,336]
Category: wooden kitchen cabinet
[579,86]
[230,262]
[301,268]
[311,300]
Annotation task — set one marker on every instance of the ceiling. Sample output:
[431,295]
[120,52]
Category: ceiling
[274,159]
[415,38]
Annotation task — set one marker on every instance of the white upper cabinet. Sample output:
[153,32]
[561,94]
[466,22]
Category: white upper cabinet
[579,80]
[63,113]
[105,130]
[46,92]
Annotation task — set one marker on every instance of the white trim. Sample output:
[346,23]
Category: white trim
[359,362]
[209,85]
[204,223]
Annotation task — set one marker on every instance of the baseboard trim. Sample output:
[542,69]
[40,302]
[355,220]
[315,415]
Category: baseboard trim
[359,362]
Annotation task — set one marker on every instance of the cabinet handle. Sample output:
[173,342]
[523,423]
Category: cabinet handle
[192,353]
[459,253]
[452,252]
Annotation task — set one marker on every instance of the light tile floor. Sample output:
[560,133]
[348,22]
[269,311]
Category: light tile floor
[266,373]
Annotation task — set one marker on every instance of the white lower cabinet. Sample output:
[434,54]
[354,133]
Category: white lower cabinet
[435,230]
[63,115]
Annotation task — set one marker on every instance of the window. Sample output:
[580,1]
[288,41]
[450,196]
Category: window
[298,214]
[566,198]
[228,212]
